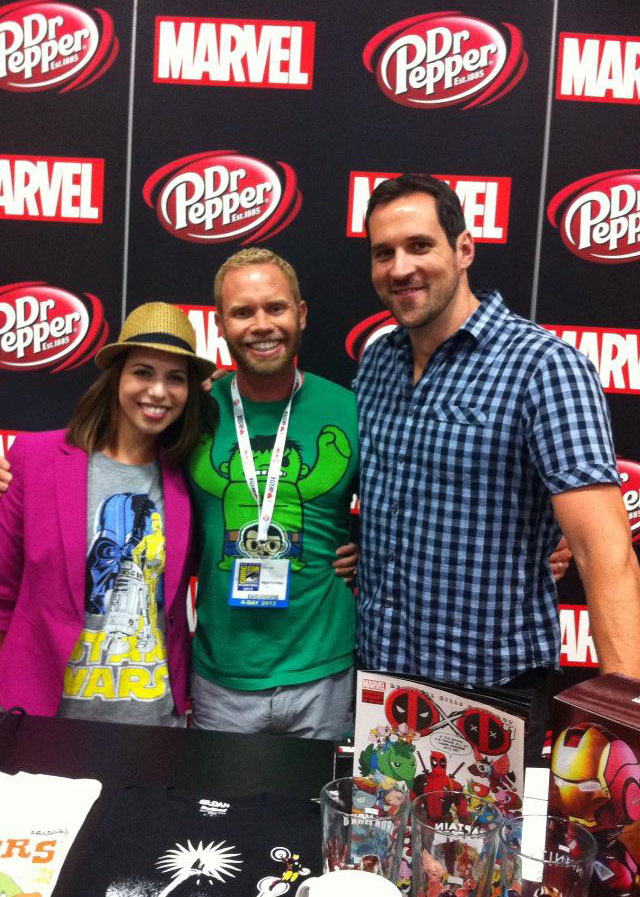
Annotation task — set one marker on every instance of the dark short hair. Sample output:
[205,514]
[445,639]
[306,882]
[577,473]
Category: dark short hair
[448,206]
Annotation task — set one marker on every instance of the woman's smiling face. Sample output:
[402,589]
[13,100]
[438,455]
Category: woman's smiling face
[152,393]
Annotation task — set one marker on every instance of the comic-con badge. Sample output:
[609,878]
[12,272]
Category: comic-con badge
[260,582]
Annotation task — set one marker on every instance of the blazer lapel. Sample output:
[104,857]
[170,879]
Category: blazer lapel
[71,496]
[177,525]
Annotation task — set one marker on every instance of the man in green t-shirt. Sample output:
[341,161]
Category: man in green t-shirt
[273,649]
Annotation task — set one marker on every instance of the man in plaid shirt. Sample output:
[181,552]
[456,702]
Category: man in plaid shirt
[482,437]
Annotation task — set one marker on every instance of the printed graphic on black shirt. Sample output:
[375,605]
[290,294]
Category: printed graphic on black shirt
[202,870]
[156,842]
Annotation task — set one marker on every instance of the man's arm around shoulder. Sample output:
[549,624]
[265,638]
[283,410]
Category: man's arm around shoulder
[595,523]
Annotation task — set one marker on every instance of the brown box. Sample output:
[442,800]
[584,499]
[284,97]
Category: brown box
[595,775]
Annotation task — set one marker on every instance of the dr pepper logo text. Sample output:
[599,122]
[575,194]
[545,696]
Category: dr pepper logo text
[234,52]
[221,196]
[446,58]
[630,476]
[599,216]
[54,46]
[42,326]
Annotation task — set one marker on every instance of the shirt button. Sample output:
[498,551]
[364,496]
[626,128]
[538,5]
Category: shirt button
[394,508]
[171,619]
[392,555]
[411,411]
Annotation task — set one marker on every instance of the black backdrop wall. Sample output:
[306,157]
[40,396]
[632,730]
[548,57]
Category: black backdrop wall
[144,142]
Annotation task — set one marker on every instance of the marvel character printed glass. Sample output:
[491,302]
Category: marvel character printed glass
[363,828]
[545,856]
[454,843]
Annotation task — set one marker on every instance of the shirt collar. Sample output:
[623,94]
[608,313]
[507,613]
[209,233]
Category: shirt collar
[481,325]
[490,315]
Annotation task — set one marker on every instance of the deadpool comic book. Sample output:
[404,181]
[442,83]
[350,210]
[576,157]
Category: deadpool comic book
[412,735]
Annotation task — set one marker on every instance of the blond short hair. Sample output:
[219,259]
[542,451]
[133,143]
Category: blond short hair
[255,256]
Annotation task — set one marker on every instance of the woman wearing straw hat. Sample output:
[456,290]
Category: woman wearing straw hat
[92,611]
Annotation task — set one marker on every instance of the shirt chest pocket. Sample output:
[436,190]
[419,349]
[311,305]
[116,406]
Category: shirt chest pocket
[456,442]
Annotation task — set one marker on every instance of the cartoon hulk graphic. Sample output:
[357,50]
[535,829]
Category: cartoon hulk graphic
[298,484]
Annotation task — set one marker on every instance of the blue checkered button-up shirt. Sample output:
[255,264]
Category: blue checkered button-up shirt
[455,480]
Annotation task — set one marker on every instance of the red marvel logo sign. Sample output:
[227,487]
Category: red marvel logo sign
[234,52]
[221,196]
[51,188]
[446,58]
[614,353]
[47,327]
[630,476]
[209,340]
[598,68]
[599,216]
[54,45]
[484,201]
[7,438]
[577,648]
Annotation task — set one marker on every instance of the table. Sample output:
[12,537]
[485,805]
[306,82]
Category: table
[219,763]
[124,754]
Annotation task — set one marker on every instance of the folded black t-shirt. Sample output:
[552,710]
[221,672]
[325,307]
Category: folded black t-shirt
[154,842]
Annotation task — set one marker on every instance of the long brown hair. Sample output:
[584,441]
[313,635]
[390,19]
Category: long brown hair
[94,422]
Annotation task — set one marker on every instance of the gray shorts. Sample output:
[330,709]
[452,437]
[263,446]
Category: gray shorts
[319,709]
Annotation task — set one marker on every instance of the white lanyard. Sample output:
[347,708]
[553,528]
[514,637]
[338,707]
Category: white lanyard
[275,465]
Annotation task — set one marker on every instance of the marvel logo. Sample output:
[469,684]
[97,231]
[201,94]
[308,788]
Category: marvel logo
[598,68]
[484,200]
[234,52]
[209,340]
[51,188]
[614,353]
[374,684]
[577,648]
[7,438]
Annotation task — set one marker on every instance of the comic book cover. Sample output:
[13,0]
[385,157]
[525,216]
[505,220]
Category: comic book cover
[418,737]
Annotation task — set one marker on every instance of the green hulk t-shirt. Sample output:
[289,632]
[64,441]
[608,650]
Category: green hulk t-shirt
[253,648]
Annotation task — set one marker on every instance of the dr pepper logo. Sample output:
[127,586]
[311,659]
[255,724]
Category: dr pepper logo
[630,476]
[221,196]
[599,216]
[42,326]
[446,58]
[367,332]
[46,46]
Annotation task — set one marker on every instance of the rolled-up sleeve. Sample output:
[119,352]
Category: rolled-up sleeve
[567,423]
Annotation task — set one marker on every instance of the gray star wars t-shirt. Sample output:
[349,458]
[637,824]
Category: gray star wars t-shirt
[118,670]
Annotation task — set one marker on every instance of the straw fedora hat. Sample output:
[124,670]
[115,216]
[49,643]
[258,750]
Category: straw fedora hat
[157,325]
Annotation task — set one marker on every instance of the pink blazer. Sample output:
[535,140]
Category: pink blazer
[43,551]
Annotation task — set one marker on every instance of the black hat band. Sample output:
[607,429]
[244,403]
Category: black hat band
[165,338]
